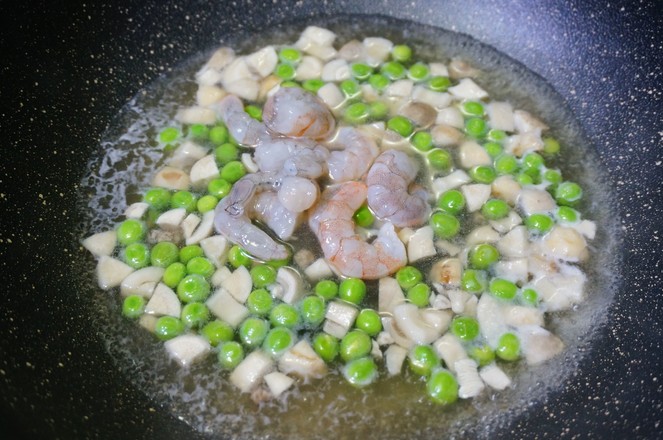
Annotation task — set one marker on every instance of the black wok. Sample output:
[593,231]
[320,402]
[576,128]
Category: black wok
[68,67]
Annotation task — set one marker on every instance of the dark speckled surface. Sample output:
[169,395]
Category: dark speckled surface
[68,67]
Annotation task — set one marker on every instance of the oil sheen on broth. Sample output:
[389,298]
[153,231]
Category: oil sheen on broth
[395,407]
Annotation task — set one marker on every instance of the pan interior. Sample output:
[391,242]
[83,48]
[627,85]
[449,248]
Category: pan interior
[394,407]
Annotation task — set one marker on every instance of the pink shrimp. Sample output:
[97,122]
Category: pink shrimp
[352,155]
[350,255]
[391,194]
[294,112]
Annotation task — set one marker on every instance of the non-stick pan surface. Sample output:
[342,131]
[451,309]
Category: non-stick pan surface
[68,67]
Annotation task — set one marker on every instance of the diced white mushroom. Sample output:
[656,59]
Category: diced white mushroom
[441,301]
[376,353]
[203,230]
[239,284]
[471,154]
[336,330]
[437,100]
[148,322]
[315,35]
[336,70]
[494,377]
[525,122]
[491,319]
[171,178]
[244,88]
[439,319]
[384,338]
[209,94]
[309,68]
[189,224]
[518,316]
[506,188]
[450,181]
[564,243]
[331,95]
[447,272]
[513,270]
[459,68]
[136,210]
[507,223]
[110,272]
[450,116]
[447,247]
[471,306]
[457,299]
[278,382]
[101,243]
[221,58]
[519,144]
[585,227]
[238,79]
[304,258]
[249,163]
[263,61]
[341,313]
[377,50]
[204,171]
[467,89]
[208,77]
[482,234]
[396,334]
[171,219]
[450,350]
[476,194]
[164,302]
[401,88]
[219,275]
[561,291]
[225,307]
[196,115]
[538,344]
[318,270]
[301,360]
[187,348]
[469,381]
[215,249]
[534,201]
[142,282]
[445,135]
[390,295]
[186,155]
[375,130]
[251,371]
[421,245]
[293,285]
[353,50]
[438,69]
[500,115]
[394,357]
[515,243]
[408,319]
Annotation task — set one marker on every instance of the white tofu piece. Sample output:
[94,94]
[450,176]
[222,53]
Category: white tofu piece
[110,272]
[239,284]
[225,307]
[394,357]
[187,348]
[292,283]
[196,115]
[250,372]
[468,89]
[469,381]
[301,360]
[494,377]
[476,194]
[278,382]
[471,154]
[450,350]
[171,219]
[390,295]
[500,115]
[204,171]
[318,270]
[263,61]
[101,243]
[215,249]
[421,244]
[142,282]
[136,210]
[203,230]
[164,302]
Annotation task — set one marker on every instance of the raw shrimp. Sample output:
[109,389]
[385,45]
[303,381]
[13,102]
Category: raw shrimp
[268,209]
[331,221]
[391,194]
[352,155]
[294,112]
[242,127]
[231,218]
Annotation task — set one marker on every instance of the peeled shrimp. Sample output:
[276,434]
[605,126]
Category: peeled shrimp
[242,127]
[331,221]
[294,112]
[352,155]
[391,194]
[268,209]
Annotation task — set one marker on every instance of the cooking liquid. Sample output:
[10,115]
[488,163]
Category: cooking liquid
[394,407]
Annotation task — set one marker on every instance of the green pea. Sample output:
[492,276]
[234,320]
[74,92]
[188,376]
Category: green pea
[355,344]
[219,134]
[164,254]
[189,252]
[419,295]
[539,223]
[400,125]
[326,289]
[136,255]
[483,174]
[290,55]
[369,321]
[530,297]
[422,141]
[238,257]
[289,83]
[259,302]
[133,306]
[356,113]
[233,171]
[568,193]
[350,89]
[219,188]
[167,327]
[278,340]
[495,135]
[494,149]
[452,202]
[553,176]
[313,311]
[465,328]
[183,199]
[482,354]
[472,108]
[231,353]
[378,110]
[393,70]
[442,387]
[418,72]
[506,164]
[361,71]
[253,331]
[378,81]
[130,231]
[474,281]
[408,276]
[363,217]
[285,71]
[439,83]
[157,198]
[352,290]
[444,225]
[226,152]
[503,289]
[495,209]
[360,372]
[263,275]
[524,179]
[194,314]
[439,159]
[550,146]
[475,127]
[401,52]
[284,315]
[193,288]
[482,256]
[254,111]
[207,203]
[217,332]
[313,85]
[422,359]
[174,274]
[199,131]
[168,135]
[201,266]
[566,214]
[326,346]
[508,347]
